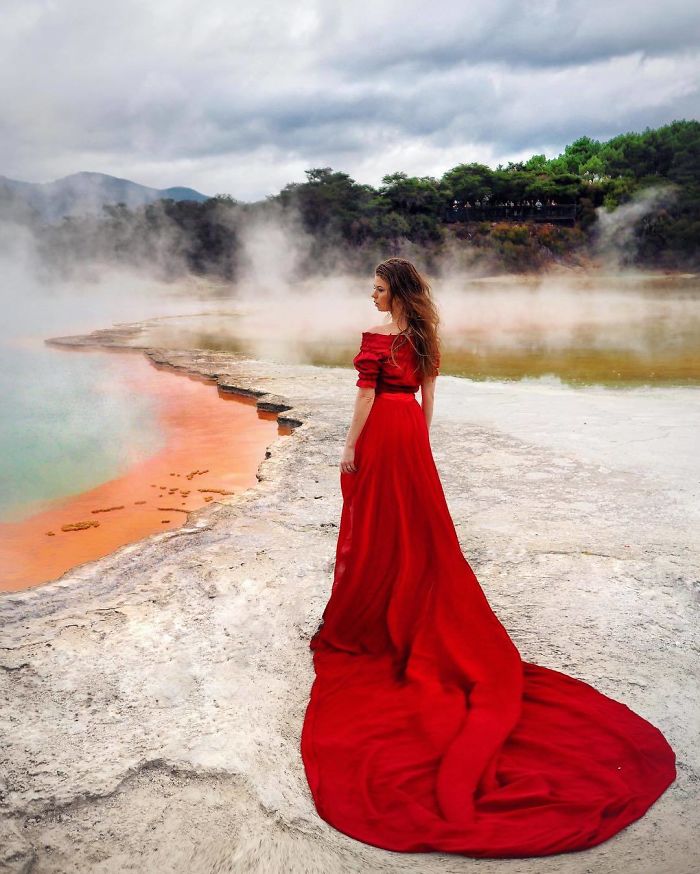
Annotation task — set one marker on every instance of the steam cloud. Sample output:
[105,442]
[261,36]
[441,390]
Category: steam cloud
[616,242]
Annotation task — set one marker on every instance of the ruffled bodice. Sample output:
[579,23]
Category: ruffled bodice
[378,370]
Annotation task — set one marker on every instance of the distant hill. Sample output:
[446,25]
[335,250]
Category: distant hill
[84,193]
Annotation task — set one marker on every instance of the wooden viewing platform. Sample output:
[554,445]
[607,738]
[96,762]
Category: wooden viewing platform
[561,214]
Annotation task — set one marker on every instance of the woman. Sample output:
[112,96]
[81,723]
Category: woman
[425,729]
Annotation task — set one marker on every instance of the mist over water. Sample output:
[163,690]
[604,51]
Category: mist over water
[65,425]
[67,422]
[605,329]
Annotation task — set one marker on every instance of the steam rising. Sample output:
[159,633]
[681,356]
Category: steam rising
[616,241]
[279,311]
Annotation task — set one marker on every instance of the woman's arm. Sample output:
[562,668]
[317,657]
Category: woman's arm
[427,396]
[363,404]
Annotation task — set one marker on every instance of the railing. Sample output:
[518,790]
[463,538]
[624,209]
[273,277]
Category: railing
[562,214]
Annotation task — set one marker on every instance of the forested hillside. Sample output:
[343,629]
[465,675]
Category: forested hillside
[638,193]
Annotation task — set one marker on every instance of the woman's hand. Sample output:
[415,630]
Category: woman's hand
[347,460]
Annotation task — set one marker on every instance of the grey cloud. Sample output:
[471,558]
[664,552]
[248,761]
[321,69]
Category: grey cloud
[529,35]
[212,91]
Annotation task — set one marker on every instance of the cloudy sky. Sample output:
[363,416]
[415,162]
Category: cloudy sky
[242,97]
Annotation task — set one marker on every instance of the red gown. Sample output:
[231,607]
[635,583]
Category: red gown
[425,729]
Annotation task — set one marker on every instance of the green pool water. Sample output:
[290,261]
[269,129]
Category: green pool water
[66,425]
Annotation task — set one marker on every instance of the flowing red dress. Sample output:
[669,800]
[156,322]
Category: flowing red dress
[425,729]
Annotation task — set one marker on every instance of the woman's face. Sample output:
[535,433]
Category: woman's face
[381,295]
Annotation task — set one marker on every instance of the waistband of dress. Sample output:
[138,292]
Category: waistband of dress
[396,392]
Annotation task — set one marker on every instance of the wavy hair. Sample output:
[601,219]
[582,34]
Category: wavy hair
[407,285]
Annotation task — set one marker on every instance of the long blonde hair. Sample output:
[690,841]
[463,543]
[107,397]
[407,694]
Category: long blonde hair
[412,289]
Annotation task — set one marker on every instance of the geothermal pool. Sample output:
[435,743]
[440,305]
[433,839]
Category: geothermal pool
[582,330]
[126,451]
[102,448]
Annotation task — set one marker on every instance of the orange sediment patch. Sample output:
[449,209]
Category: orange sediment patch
[212,438]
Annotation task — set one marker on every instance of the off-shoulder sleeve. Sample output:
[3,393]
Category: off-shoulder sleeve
[368,362]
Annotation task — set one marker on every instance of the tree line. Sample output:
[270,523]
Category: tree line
[352,225]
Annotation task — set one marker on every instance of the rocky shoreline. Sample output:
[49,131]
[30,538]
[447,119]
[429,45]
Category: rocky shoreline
[153,699]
